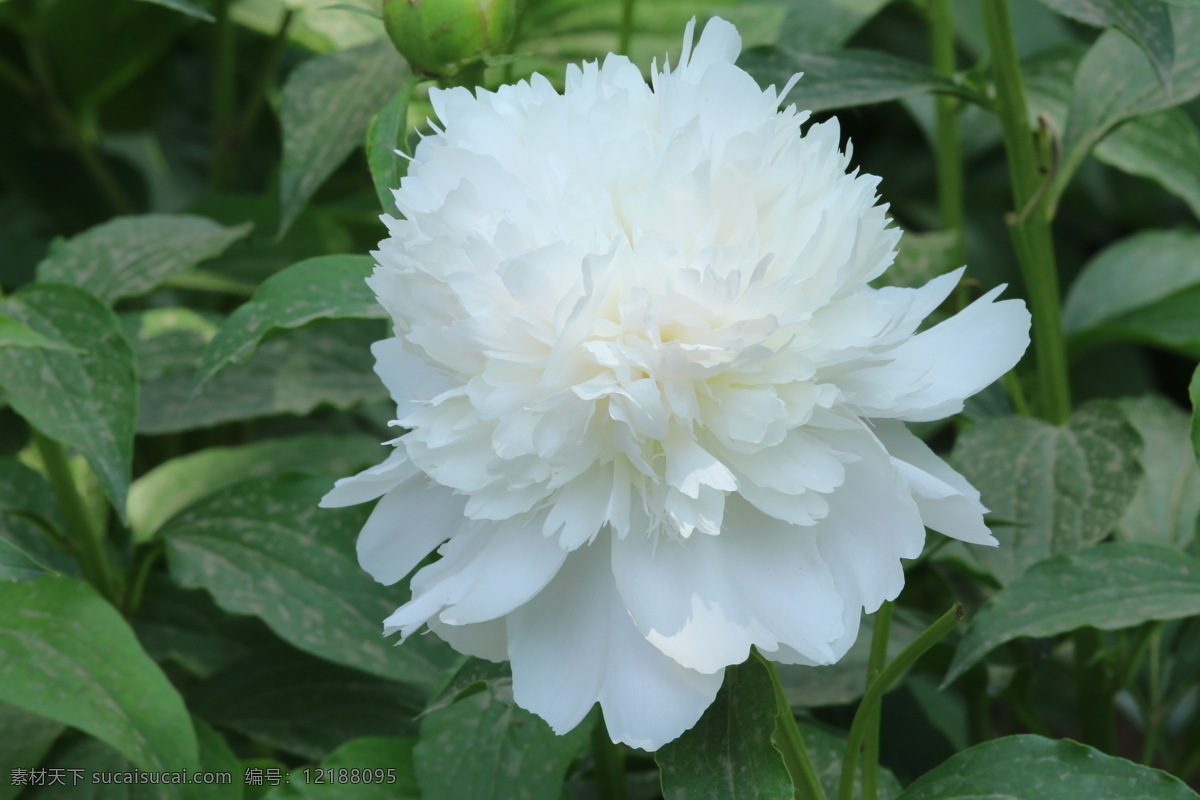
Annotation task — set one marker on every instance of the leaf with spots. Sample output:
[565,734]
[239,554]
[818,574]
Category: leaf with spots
[1109,586]
[1147,22]
[264,548]
[1057,489]
[1036,768]
[486,748]
[14,334]
[729,754]
[826,752]
[68,655]
[130,256]
[88,400]
[326,287]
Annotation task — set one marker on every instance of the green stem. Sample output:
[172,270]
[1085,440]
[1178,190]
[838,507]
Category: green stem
[1030,226]
[875,665]
[1094,692]
[86,541]
[144,560]
[789,742]
[951,195]
[1154,705]
[609,759]
[223,98]
[871,700]
[625,33]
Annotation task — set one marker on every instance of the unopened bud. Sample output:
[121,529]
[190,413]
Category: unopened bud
[439,37]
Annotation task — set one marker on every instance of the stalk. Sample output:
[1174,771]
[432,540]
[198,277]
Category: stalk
[875,664]
[789,742]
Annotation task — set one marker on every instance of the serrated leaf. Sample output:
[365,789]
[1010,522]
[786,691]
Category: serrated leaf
[130,256]
[265,548]
[1109,586]
[1165,509]
[326,287]
[86,400]
[14,334]
[1057,489]
[67,654]
[1143,288]
[385,137]
[174,485]
[486,748]
[302,704]
[845,78]
[1116,83]
[389,762]
[1147,22]
[25,739]
[1035,768]
[326,107]
[728,754]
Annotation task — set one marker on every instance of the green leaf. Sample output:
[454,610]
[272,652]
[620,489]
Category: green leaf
[1057,488]
[174,485]
[1109,586]
[1165,509]
[920,259]
[387,134]
[844,79]
[326,107]
[1194,394]
[826,751]
[86,400]
[485,748]
[1035,768]
[325,362]
[728,754]
[130,256]
[845,681]
[824,25]
[1147,22]
[16,564]
[265,548]
[389,762]
[67,654]
[184,7]
[315,25]
[25,491]
[1116,83]
[25,739]
[1145,288]
[302,704]
[326,287]
[14,334]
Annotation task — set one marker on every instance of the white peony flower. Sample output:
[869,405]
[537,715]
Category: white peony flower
[655,413]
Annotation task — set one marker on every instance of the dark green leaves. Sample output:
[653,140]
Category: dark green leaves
[320,288]
[1143,288]
[327,104]
[1034,768]
[728,755]
[485,748]
[130,256]
[66,654]
[1165,509]
[265,548]
[1056,488]
[1147,22]
[845,78]
[1109,586]
[86,398]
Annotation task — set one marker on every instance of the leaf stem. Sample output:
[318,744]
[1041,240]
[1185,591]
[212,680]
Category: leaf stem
[1030,228]
[875,664]
[609,760]
[86,541]
[874,696]
[625,32]
[789,743]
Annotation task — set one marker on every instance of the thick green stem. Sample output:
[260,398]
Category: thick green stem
[1095,692]
[625,33]
[875,664]
[874,696]
[609,759]
[1030,225]
[86,541]
[951,196]
[789,742]
[223,98]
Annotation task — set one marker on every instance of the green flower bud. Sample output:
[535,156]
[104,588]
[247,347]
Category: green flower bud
[440,36]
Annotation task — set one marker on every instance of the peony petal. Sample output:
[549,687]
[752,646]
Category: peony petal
[409,378]
[574,645]
[407,524]
[371,482]
[488,640]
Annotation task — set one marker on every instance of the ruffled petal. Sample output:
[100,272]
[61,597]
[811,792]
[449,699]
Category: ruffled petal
[574,644]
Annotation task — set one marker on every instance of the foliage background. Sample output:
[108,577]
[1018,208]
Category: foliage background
[188,190]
